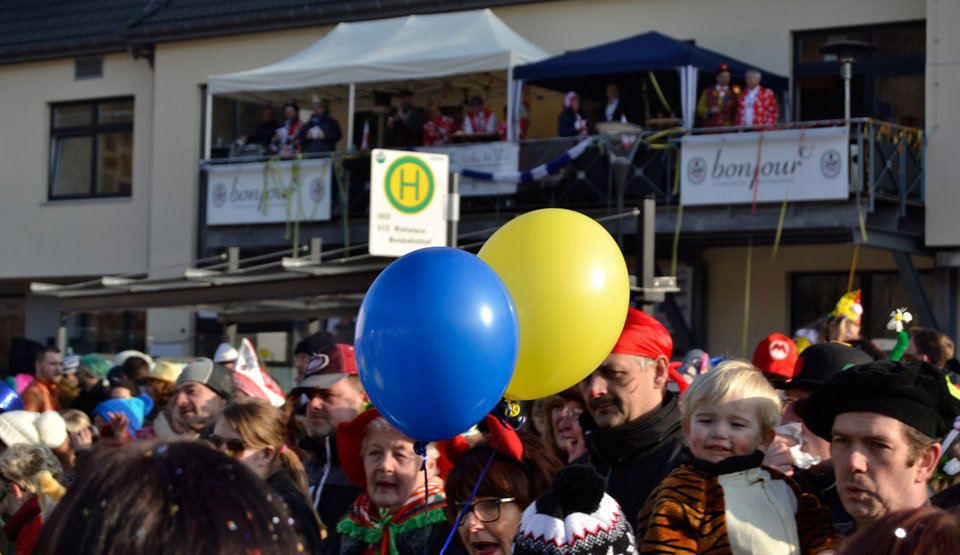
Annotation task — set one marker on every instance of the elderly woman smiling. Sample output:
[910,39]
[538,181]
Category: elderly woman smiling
[397,514]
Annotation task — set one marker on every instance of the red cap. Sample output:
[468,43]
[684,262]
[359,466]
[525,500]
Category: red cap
[776,356]
[723,67]
[643,336]
[330,365]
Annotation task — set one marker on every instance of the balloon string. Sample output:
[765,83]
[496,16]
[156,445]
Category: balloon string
[426,487]
[476,488]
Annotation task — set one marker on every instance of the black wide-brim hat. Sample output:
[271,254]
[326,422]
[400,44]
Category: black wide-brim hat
[818,363]
[915,394]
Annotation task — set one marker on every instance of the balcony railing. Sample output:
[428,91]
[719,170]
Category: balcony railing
[886,166]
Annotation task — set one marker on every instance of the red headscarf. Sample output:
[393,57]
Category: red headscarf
[643,336]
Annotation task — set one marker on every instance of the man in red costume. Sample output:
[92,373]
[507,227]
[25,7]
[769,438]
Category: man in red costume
[632,424]
[756,105]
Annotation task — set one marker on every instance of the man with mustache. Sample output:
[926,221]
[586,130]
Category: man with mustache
[884,421]
[334,395]
[632,424]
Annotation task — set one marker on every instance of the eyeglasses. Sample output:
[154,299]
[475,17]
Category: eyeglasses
[566,412]
[233,446]
[485,511]
[795,403]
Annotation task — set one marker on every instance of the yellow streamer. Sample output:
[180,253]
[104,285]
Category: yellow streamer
[746,298]
[676,241]
[656,87]
[779,234]
[853,266]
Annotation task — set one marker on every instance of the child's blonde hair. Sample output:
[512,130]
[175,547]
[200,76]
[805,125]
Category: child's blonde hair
[733,378]
[76,420]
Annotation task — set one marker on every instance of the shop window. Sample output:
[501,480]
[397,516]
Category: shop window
[91,149]
[107,332]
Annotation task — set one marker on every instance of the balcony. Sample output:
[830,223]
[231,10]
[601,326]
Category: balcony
[883,207]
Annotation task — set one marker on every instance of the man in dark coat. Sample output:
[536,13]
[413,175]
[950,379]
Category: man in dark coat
[321,132]
[632,424]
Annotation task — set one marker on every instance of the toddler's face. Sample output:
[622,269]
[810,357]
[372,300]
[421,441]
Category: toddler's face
[730,428]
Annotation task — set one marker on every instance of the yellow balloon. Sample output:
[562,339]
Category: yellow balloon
[571,288]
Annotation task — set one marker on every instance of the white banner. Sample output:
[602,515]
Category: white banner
[244,194]
[796,165]
[496,157]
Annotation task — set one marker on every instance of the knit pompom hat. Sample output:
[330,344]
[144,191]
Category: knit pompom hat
[576,517]
[20,426]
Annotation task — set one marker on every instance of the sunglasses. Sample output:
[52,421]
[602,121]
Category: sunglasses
[231,446]
[484,511]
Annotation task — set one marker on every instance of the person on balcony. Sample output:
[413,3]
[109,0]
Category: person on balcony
[479,120]
[717,106]
[439,128]
[264,132]
[571,122]
[406,121]
[614,110]
[321,132]
[756,106]
[286,140]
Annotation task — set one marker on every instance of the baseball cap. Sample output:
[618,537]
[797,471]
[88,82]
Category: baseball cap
[329,366]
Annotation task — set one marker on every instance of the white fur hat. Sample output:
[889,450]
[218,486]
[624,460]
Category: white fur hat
[20,426]
[225,353]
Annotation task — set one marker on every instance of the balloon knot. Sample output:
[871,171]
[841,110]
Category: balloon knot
[420,448]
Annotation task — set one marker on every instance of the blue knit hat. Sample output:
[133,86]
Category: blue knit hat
[136,409]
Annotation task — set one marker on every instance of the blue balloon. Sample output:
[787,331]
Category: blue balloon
[436,342]
[9,400]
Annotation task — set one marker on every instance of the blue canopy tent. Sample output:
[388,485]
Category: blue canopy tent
[651,51]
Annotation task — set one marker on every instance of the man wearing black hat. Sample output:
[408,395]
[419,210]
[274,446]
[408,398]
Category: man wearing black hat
[717,106]
[809,460]
[884,421]
[406,121]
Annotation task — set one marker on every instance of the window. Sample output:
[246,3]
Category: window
[91,149]
[108,331]
[887,84]
[814,295]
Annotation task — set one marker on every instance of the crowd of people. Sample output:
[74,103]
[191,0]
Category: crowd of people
[826,446]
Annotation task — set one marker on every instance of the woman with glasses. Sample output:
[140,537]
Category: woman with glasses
[563,434]
[253,432]
[521,470]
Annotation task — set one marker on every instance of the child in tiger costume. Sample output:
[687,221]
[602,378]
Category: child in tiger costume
[720,500]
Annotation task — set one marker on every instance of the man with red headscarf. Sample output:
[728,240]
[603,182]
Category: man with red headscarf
[632,424]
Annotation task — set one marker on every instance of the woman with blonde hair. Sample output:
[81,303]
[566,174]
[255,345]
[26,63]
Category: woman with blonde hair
[254,432]
[31,489]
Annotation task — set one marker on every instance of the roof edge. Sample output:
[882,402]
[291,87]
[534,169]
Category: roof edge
[61,50]
[323,15]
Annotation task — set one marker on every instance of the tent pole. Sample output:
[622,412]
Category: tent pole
[511,104]
[208,125]
[351,107]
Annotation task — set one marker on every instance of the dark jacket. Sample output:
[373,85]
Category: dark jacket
[638,455]
[303,514]
[331,492]
[408,129]
[567,124]
[88,400]
[821,482]
[263,133]
[331,134]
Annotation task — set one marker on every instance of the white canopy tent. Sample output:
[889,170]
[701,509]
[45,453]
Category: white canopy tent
[404,48]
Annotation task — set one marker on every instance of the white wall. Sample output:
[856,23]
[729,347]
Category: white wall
[68,238]
[756,31]
[943,123]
